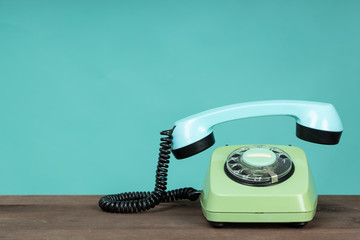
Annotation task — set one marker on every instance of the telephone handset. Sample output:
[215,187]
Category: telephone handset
[315,122]
[242,167]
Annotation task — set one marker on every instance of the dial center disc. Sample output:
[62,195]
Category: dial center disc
[259,157]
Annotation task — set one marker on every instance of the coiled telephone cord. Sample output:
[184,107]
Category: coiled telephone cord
[132,202]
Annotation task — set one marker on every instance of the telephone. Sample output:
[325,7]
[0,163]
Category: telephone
[244,183]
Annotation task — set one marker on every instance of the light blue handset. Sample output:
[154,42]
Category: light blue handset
[315,122]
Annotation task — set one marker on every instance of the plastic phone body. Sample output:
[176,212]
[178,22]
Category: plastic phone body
[224,200]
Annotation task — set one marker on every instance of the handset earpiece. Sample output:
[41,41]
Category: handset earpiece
[315,122]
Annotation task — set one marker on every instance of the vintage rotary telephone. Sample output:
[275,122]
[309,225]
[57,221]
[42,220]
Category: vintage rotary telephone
[244,183]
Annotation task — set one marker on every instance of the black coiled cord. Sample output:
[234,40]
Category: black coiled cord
[132,202]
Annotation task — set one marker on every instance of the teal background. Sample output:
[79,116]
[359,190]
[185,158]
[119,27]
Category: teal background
[86,86]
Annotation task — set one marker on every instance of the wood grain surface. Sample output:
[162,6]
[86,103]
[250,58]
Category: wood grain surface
[79,217]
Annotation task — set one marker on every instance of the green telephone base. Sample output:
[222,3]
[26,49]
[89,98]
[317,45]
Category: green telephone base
[292,201]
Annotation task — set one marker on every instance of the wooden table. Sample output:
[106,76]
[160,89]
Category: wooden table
[79,217]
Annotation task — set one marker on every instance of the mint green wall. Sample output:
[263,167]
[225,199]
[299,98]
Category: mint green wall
[86,86]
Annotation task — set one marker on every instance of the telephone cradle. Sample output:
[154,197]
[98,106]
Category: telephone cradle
[256,183]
